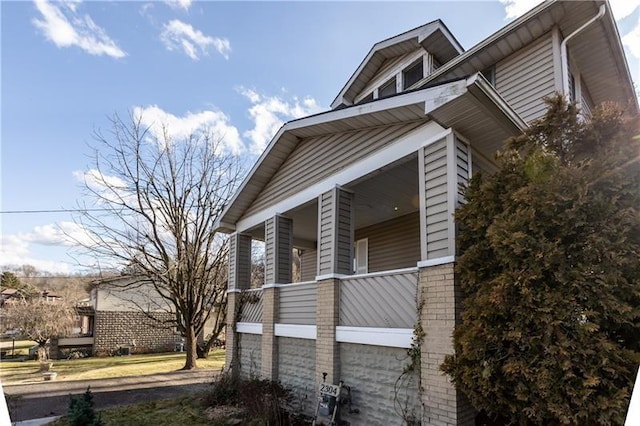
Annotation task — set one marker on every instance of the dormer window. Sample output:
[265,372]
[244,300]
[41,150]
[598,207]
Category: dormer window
[412,74]
[387,89]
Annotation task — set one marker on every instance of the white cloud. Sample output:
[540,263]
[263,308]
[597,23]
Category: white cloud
[179,4]
[269,113]
[17,249]
[632,41]
[516,8]
[62,25]
[623,8]
[178,128]
[178,35]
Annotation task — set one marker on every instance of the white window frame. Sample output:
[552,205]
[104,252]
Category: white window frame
[357,268]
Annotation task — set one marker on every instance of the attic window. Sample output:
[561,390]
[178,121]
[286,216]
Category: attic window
[412,74]
[367,98]
[387,89]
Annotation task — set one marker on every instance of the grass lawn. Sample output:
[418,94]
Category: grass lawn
[183,411]
[18,372]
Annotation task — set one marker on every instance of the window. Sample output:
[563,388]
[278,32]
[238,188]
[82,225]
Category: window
[361,259]
[412,74]
[367,98]
[387,89]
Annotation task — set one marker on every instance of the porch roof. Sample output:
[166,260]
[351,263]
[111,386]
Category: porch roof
[469,105]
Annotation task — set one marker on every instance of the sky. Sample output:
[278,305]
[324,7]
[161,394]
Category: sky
[241,68]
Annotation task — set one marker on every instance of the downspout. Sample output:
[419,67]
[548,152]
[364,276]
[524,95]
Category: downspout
[564,62]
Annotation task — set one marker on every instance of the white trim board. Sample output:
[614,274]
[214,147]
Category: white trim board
[436,261]
[298,331]
[249,327]
[375,336]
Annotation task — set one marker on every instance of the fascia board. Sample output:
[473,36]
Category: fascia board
[478,86]
[618,50]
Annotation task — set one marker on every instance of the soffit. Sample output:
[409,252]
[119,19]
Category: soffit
[597,50]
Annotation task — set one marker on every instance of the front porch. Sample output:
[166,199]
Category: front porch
[354,212]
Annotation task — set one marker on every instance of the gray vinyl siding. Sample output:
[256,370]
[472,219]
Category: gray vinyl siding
[278,250]
[481,164]
[379,301]
[462,168]
[252,311]
[344,232]
[285,249]
[269,252]
[325,239]
[526,76]
[239,261]
[316,158]
[308,265]
[394,244]
[298,304]
[435,176]
[336,233]
[233,250]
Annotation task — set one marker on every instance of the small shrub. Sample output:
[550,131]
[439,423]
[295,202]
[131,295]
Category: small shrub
[265,402]
[81,411]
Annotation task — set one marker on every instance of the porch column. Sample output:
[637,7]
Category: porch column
[335,258]
[444,165]
[442,298]
[278,252]
[239,279]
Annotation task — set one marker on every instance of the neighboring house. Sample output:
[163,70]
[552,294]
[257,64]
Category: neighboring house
[122,308]
[10,293]
[367,191]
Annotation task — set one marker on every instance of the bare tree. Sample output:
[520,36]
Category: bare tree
[39,320]
[154,204]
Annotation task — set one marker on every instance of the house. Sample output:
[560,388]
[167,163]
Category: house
[366,192]
[130,317]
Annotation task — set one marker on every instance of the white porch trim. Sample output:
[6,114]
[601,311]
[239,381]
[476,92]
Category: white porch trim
[249,327]
[375,336]
[298,331]
[436,262]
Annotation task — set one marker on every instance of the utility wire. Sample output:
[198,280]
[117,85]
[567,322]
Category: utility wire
[52,211]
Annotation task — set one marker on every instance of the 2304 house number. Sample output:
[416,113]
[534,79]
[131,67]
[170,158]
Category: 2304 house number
[327,389]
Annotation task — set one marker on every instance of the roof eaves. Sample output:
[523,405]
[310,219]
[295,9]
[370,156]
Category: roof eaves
[487,41]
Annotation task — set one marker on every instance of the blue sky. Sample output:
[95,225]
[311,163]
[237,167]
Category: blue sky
[242,67]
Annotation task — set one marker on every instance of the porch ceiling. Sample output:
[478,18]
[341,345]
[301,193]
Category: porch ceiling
[470,106]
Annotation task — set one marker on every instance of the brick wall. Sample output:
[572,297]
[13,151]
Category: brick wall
[297,369]
[115,329]
[443,405]
[250,354]
[327,316]
[371,371]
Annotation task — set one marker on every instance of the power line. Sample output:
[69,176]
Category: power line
[52,211]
